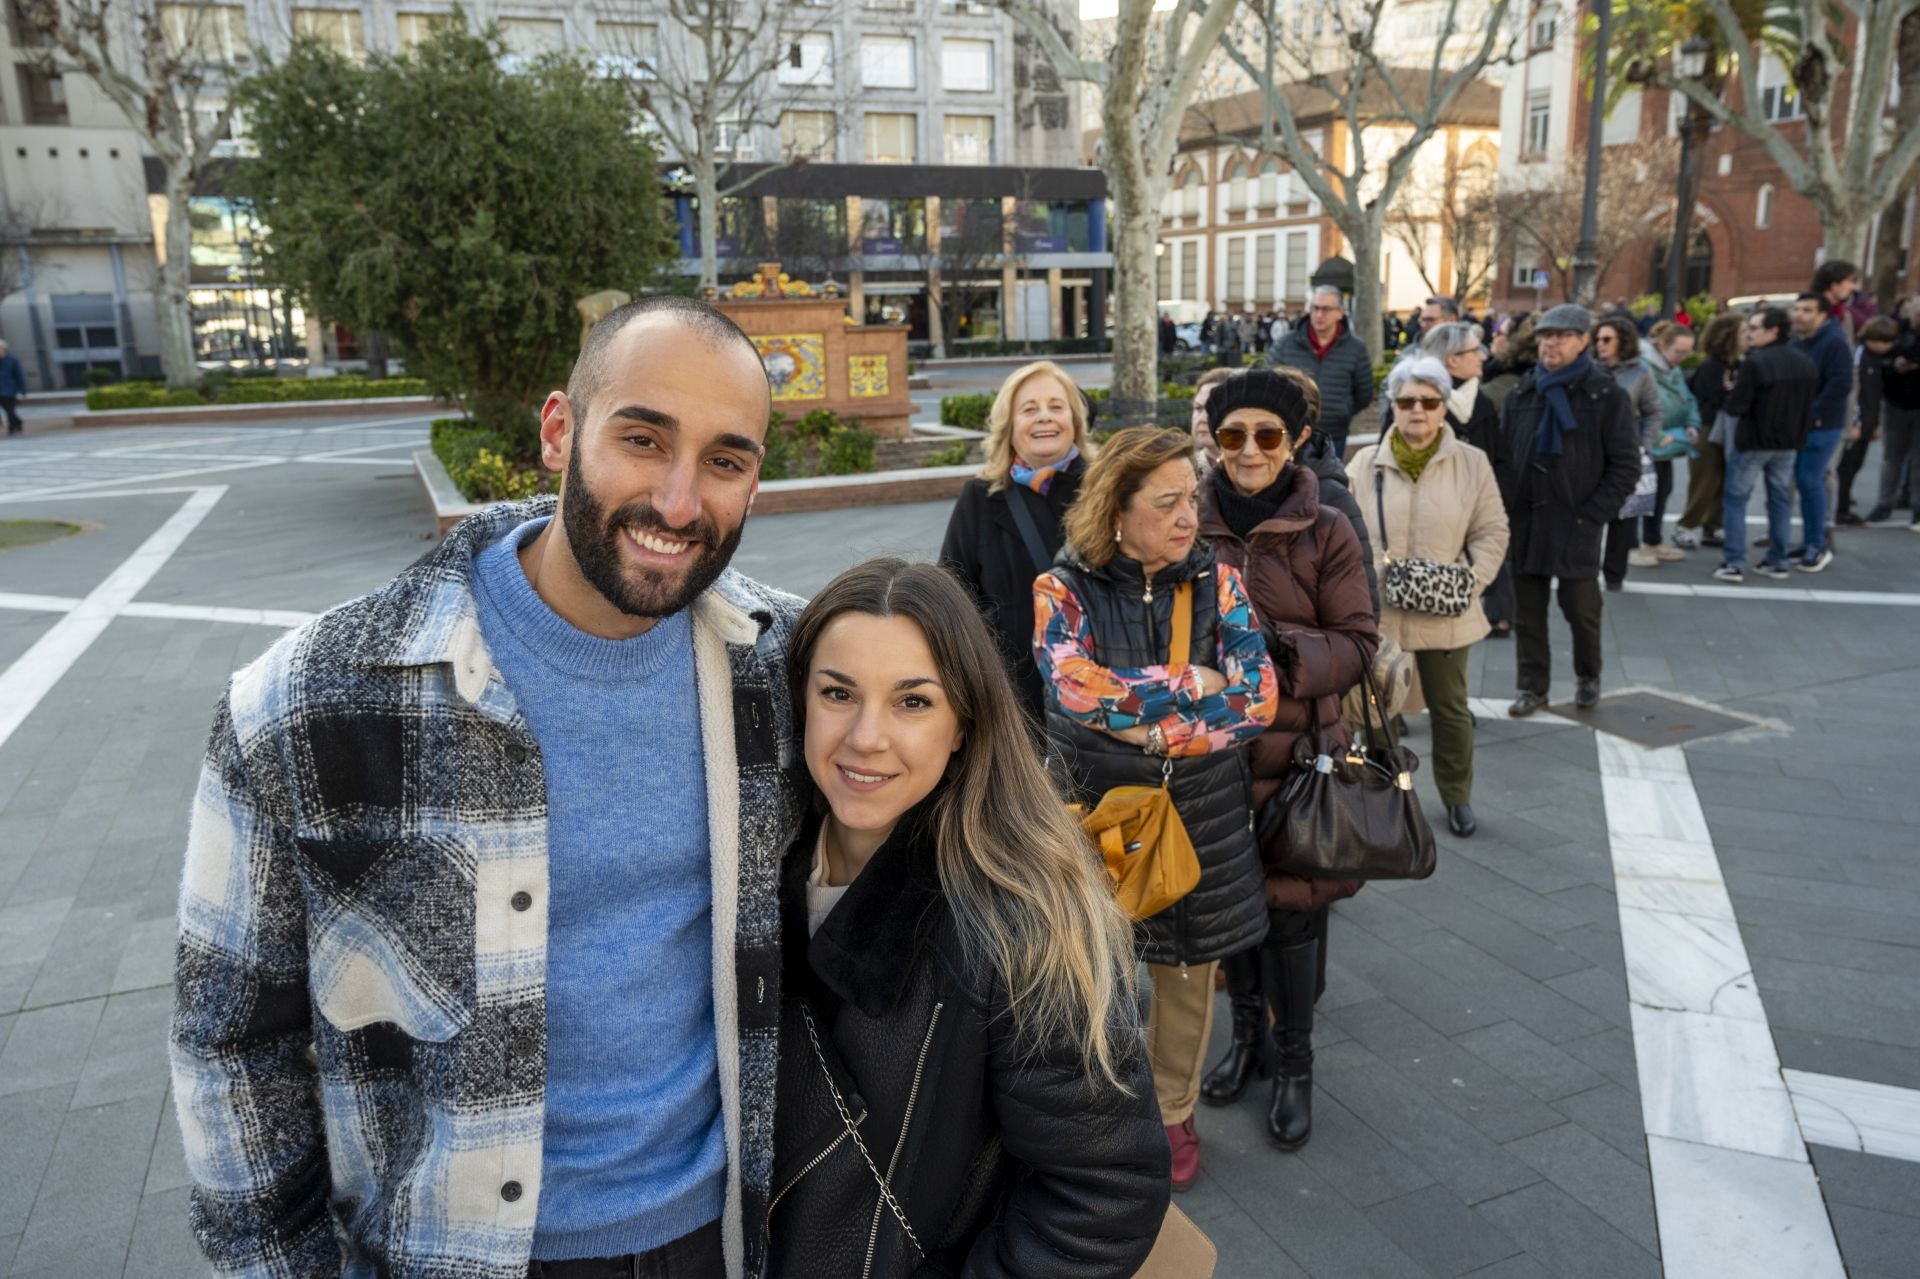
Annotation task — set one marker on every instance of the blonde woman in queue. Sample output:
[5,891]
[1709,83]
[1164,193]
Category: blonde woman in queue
[962,1087]
[1005,527]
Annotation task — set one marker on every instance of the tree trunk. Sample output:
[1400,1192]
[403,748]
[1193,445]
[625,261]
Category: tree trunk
[376,346]
[1846,226]
[706,189]
[172,307]
[1363,244]
[1136,330]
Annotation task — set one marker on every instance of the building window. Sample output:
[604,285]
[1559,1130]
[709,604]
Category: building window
[1763,208]
[890,228]
[806,135]
[1296,266]
[1190,194]
[43,97]
[891,137]
[628,50]
[1170,203]
[1539,122]
[339,29]
[815,63]
[208,32]
[1236,270]
[1779,100]
[530,39]
[1190,269]
[1269,197]
[1237,190]
[732,139]
[969,139]
[886,62]
[415,29]
[1163,273]
[1545,26]
[967,65]
[1265,287]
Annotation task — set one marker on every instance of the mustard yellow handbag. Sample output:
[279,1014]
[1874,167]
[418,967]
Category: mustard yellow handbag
[1148,853]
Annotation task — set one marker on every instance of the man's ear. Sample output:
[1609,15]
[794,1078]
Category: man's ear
[556,431]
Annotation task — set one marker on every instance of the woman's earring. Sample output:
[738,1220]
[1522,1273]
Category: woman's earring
[1116,535]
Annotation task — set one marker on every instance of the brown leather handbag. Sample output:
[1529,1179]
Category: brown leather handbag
[1348,812]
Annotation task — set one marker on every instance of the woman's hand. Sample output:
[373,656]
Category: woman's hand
[1693,435]
[1135,736]
[1211,681]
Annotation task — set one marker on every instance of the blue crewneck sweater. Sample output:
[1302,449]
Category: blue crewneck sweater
[634,1151]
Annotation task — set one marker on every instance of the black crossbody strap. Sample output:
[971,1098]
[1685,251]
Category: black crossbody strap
[1029,531]
[1380,504]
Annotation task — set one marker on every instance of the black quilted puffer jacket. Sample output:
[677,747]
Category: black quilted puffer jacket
[1006,1164]
[1213,793]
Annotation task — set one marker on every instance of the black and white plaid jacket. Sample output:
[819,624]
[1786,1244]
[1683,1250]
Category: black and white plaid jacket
[359,1051]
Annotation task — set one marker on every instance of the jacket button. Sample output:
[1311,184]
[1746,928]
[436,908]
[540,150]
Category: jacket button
[516,753]
[510,1192]
[522,1047]
[521,901]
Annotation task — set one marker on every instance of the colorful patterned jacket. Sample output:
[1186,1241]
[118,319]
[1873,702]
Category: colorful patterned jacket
[358,1046]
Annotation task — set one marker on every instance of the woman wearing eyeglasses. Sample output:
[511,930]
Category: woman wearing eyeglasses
[1306,577]
[1474,417]
[1429,495]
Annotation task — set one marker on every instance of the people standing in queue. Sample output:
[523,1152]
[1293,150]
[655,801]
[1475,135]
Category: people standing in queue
[1005,528]
[1303,567]
[959,981]
[1431,495]
[1120,713]
[1616,344]
[1474,418]
[1710,382]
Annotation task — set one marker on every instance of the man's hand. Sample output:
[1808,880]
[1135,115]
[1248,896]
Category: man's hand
[1135,736]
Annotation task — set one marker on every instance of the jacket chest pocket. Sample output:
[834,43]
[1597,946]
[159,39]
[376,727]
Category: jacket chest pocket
[390,934]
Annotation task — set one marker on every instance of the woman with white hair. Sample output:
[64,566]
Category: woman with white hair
[1475,418]
[1439,533]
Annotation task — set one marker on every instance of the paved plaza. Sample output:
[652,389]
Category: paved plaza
[1663,1012]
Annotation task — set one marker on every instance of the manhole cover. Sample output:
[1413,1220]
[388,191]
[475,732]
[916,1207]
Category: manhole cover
[1650,719]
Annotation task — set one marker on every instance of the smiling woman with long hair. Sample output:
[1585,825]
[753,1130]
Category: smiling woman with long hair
[962,1084]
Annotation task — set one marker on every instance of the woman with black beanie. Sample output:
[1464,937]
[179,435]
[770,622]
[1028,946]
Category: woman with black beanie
[1305,575]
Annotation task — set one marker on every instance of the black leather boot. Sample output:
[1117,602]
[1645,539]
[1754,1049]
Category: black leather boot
[1287,972]
[1253,1048]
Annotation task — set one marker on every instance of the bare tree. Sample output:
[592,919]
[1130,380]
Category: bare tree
[168,70]
[1146,80]
[18,218]
[1849,156]
[1397,109]
[1448,221]
[711,81]
[1544,219]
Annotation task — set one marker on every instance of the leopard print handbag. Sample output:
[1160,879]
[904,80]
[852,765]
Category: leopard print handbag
[1415,585]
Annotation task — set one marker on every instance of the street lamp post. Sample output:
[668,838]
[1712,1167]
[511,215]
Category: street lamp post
[1691,63]
[1586,253]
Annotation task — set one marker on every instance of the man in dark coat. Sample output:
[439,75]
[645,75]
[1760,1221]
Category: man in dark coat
[1572,457]
[1773,399]
[1337,361]
[13,385]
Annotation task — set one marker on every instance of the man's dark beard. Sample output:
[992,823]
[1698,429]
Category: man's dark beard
[595,537]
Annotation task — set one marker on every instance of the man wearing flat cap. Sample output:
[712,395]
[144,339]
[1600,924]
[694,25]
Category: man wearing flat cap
[1573,457]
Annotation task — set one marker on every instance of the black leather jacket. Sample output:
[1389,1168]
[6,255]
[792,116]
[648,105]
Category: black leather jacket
[1007,1164]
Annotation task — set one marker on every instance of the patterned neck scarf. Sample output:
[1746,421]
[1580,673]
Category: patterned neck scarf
[1041,480]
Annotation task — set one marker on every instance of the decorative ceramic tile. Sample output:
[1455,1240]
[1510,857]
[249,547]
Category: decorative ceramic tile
[796,364]
[1877,1119]
[867,375]
[1728,1212]
[1714,1081]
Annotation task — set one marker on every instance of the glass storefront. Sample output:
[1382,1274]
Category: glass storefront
[239,317]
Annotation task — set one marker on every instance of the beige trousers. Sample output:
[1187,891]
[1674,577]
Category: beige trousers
[1178,1027]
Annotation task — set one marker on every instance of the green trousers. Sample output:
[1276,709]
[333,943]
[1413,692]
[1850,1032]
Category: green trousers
[1443,682]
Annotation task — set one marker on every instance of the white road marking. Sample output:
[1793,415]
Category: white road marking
[28,680]
[1733,1190]
[1767,594]
[1877,1119]
[284,618]
[38,603]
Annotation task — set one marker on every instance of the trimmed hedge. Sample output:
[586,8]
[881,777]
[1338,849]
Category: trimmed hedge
[984,348]
[253,389]
[820,443]
[487,466]
[968,411]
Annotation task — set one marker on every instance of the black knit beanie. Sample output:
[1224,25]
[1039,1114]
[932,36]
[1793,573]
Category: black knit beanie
[1258,389]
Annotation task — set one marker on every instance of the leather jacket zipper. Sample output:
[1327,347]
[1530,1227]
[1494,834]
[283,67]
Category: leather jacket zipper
[811,1164]
[906,1123]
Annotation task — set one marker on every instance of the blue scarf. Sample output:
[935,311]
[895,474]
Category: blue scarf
[1041,480]
[1559,416]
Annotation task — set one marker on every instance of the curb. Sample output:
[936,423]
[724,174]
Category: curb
[777,497]
[215,414]
[963,361]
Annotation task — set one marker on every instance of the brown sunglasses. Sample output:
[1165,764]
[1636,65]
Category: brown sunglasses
[1428,402]
[1234,438]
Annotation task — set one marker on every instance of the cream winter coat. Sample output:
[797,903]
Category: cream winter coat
[1453,511]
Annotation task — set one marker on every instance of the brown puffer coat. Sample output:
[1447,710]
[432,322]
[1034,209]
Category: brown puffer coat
[1305,575]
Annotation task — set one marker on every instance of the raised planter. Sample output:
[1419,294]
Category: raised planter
[234,414]
[777,497]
